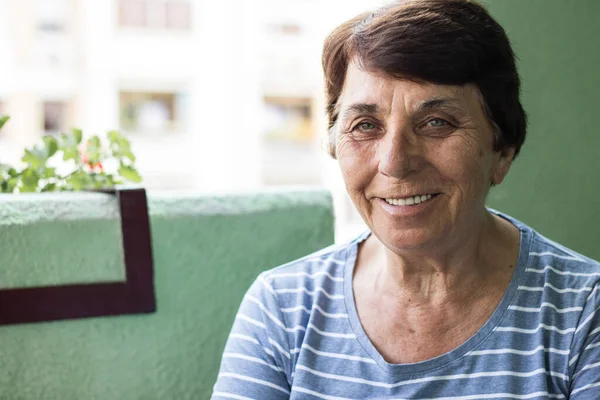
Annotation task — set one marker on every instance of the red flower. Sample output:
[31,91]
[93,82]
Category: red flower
[96,167]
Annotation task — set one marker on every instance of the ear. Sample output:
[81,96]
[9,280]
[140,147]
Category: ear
[503,164]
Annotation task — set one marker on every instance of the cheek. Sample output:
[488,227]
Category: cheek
[467,165]
[352,172]
[355,164]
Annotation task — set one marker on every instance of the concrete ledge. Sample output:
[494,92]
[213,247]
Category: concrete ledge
[51,207]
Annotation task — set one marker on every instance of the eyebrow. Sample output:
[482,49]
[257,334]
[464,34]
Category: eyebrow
[362,108]
[439,102]
[431,104]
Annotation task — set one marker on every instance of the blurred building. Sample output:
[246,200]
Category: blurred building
[214,95]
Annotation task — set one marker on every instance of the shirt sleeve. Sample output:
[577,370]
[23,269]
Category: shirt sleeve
[584,363]
[256,361]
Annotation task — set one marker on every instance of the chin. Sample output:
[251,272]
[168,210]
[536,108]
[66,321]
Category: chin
[407,239]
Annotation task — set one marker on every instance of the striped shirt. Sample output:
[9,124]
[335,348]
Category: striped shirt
[297,335]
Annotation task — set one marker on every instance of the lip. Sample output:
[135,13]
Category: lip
[407,211]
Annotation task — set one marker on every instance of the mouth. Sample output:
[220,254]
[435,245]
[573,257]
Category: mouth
[412,200]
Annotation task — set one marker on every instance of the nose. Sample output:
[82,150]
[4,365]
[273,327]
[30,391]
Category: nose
[398,153]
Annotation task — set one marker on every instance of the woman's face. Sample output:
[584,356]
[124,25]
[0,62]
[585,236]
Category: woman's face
[417,159]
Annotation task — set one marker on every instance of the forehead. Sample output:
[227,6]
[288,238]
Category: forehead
[364,87]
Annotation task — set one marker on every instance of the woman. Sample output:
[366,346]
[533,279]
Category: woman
[441,298]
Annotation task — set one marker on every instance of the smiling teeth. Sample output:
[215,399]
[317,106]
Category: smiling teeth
[410,200]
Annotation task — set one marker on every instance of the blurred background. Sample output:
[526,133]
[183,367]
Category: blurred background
[214,95]
[227,96]
[221,96]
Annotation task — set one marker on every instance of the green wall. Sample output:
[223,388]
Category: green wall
[554,185]
[207,251]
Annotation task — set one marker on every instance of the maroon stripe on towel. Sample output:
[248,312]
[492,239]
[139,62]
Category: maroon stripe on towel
[74,301]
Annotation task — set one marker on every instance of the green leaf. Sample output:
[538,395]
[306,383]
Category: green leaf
[120,146]
[114,136]
[69,143]
[51,145]
[12,184]
[33,158]
[29,180]
[79,180]
[71,153]
[112,180]
[100,184]
[8,186]
[94,142]
[3,120]
[37,156]
[49,187]
[129,155]
[71,139]
[130,174]
[49,173]
[77,136]
[38,177]
[93,150]
[103,181]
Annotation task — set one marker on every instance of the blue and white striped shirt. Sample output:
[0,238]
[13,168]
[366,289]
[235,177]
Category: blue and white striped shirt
[297,335]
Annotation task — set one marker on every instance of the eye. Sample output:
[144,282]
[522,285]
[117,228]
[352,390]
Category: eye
[437,123]
[436,127]
[365,126]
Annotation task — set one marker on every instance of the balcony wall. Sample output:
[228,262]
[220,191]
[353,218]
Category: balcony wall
[207,251]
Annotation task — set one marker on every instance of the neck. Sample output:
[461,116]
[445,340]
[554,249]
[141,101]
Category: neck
[474,263]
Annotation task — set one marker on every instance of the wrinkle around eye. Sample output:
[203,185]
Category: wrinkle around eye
[364,127]
[442,131]
[447,128]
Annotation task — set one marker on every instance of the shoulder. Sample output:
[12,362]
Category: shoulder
[560,273]
[294,290]
[326,265]
[555,258]
[542,251]
[567,273]
[549,250]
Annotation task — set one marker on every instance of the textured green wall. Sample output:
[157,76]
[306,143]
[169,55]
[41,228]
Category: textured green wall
[554,185]
[207,251]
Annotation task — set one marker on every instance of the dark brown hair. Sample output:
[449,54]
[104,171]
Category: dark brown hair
[447,42]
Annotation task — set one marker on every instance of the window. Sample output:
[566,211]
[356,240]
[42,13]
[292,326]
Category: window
[289,156]
[52,15]
[155,14]
[284,29]
[55,117]
[178,15]
[131,13]
[53,47]
[147,112]
[288,119]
